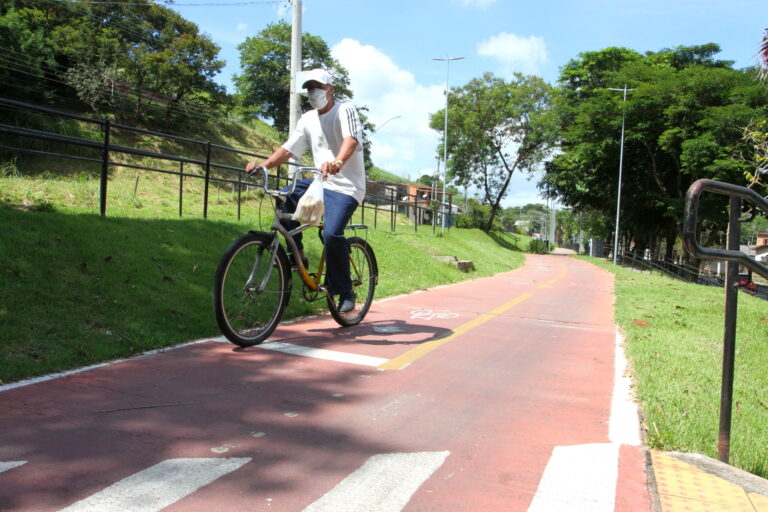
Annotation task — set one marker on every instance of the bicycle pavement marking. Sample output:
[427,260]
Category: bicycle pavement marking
[409,357]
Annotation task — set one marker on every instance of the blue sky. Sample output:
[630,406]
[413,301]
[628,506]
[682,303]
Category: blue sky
[388,46]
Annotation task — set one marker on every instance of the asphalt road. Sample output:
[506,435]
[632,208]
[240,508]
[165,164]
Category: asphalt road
[493,394]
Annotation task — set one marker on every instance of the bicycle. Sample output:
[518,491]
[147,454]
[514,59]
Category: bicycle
[253,281]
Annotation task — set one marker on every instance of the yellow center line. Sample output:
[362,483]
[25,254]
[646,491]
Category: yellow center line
[403,360]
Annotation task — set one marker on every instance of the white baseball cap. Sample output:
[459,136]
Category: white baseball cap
[317,75]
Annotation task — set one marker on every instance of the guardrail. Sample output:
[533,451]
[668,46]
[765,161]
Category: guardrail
[733,258]
[237,178]
[671,268]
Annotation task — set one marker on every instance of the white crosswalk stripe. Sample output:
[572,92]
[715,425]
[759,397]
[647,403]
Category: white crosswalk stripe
[321,353]
[579,478]
[384,483]
[5,466]
[159,486]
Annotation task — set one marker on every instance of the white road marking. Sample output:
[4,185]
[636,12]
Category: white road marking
[583,478]
[52,376]
[624,423]
[384,483]
[321,353]
[157,487]
[428,314]
[5,466]
[579,479]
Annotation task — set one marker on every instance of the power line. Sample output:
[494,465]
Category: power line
[192,110]
[20,63]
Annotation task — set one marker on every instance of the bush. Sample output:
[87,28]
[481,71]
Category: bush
[538,247]
[477,217]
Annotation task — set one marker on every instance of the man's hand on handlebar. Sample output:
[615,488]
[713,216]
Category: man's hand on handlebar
[331,168]
[253,167]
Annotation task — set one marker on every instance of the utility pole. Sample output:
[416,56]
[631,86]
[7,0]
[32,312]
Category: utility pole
[295,97]
[447,61]
[552,222]
[621,165]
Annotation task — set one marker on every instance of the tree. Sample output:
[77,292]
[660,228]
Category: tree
[684,121]
[496,128]
[167,55]
[429,180]
[103,50]
[264,84]
[28,56]
[94,84]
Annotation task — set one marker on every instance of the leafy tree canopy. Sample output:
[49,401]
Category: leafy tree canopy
[130,52]
[495,128]
[264,85]
[685,116]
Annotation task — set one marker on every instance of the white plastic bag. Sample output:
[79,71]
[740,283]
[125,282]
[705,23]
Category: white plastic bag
[310,207]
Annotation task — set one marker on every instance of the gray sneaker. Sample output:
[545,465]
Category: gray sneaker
[347,304]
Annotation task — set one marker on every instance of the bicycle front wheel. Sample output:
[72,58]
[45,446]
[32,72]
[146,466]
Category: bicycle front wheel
[365,275]
[251,288]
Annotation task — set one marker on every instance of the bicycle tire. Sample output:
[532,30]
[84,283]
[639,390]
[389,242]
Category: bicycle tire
[364,271]
[245,315]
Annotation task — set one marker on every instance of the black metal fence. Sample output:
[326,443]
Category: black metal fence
[671,268]
[387,198]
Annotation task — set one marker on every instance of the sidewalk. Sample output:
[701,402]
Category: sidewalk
[691,482]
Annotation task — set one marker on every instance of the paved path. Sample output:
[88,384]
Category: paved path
[493,394]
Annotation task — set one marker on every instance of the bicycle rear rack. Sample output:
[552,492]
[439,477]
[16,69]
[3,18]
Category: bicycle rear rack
[734,257]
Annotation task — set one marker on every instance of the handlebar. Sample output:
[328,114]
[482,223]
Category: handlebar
[280,192]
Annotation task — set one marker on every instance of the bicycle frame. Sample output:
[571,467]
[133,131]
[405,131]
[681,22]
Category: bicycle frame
[277,227]
[289,240]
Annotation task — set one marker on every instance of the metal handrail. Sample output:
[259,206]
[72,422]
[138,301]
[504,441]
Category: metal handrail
[106,148]
[733,257]
[691,220]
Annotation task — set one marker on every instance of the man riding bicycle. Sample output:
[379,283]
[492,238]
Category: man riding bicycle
[334,132]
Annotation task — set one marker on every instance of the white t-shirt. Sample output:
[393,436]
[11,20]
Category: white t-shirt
[324,134]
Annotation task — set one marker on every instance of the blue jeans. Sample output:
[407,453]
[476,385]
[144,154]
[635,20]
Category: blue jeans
[338,210]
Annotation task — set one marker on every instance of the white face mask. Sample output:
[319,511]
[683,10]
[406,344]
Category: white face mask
[318,98]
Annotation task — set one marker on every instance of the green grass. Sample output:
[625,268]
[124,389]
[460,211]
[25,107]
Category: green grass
[674,341]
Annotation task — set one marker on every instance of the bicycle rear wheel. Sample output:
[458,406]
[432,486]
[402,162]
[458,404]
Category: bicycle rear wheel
[251,288]
[365,275]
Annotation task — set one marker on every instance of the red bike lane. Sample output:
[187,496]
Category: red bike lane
[491,394]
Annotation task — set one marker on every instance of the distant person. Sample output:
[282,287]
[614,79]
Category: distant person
[334,132]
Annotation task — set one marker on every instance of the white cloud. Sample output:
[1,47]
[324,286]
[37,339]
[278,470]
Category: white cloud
[407,144]
[241,27]
[515,53]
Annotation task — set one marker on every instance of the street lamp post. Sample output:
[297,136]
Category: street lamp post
[621,165]
[295,99]
[447,61]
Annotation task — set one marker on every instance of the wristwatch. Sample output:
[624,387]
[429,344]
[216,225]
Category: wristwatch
[340,163]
